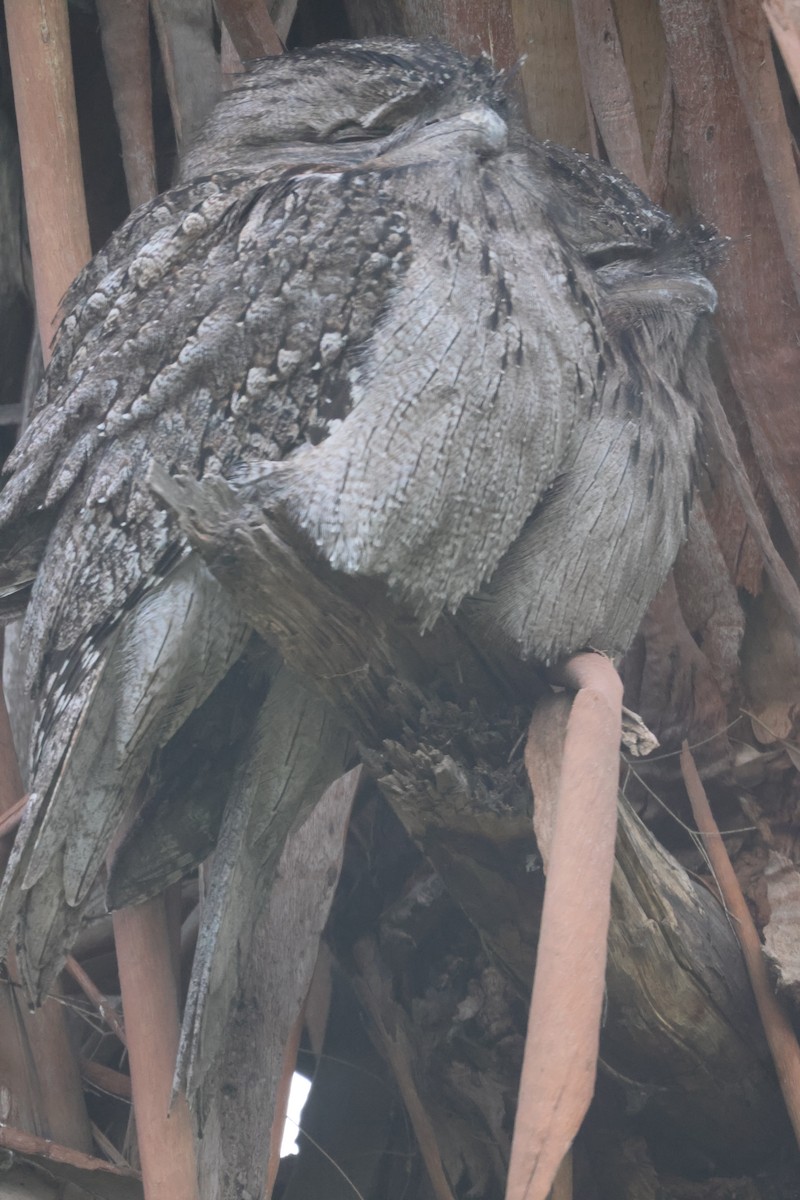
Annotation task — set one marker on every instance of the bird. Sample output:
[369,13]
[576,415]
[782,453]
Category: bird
[459,360]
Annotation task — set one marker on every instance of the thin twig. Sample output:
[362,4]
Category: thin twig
[12,817]
[109,1149]
[250,27]
[304,1133]
[777,1027]
[784,583]
[784,21]
[662,143]
[389,1026]
[32,1146]
[93,993]
[106,1079]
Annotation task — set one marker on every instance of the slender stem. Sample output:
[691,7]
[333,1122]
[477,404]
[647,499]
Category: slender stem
[93,993]
[150,1007]
[125,30]
[608,86]
[29,1144]
[374,992]
[44,99]
[106,1079]
[777,1027]
[784,20]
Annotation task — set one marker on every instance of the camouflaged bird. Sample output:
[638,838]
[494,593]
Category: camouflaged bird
[463,361]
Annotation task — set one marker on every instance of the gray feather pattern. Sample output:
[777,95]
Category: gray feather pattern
[459,360]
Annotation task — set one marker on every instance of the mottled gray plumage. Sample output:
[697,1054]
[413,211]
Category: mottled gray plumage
[460,360]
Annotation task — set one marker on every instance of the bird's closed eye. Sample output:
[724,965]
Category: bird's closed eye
[605,255]
[351,131]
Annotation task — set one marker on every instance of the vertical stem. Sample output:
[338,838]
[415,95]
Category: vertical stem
[608,86]
[230,62]
[777,1027]
[784,21]
[282,1102]
[125,30]
[758,306]
[747,36]
[560,1062]
[44,98]
[191,68]
[150,1010]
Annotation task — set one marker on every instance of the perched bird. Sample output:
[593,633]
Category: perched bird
[460,360]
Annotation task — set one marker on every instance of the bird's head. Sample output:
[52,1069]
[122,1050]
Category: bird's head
[339,95]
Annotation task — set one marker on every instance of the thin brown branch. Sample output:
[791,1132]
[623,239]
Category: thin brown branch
[251,29]
[783,582]
[125,32]
[191,67]
[662,144]
[28,1144]
[150,1008]
[39,1068]
[44,99]
[608,86]
[777,1027]
[12,817]
[106,1079]
[109,1149]
[230,62]
[388,1019]
[560,1062]
[282,1101]
[784,21]
[747,37]
[758,306]
[93,994]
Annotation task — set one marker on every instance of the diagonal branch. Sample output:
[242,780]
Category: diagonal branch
[777,1027]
